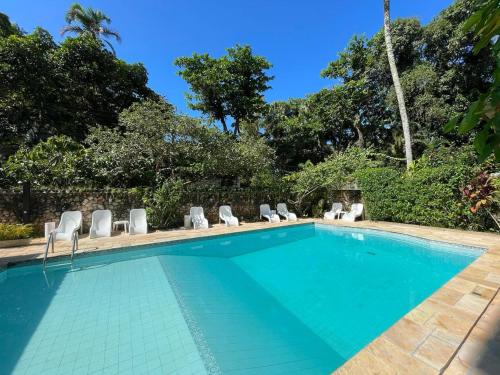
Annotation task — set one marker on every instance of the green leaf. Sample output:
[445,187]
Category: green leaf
[480,142]
[451,125]
[472,117]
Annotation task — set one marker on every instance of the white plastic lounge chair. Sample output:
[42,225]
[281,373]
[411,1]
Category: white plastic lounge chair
[198,218]
[265,212]
[226,215]
[138,221]
[70,222]
[101,224]
[283,211]
[334,212]
[356,211]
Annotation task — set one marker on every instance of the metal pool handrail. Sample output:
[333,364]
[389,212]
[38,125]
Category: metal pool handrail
[74,245]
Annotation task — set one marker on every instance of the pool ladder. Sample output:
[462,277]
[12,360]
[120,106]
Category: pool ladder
[51,240]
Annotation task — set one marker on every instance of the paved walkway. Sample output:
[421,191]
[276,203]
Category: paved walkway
[455,331]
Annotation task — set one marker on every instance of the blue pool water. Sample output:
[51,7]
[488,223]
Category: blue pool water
[295,300]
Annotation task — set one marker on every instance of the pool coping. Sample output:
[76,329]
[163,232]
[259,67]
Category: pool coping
[426,340]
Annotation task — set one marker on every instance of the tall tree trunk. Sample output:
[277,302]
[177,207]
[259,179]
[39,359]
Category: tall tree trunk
[224,125]
[397,84]
[236,127]
[357,125]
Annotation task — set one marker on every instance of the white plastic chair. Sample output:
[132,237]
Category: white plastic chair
[71,222]
[283,211]
[198,218]
[138,221]
[356,211]
[265,212]
[101,224]
[335,212]
[226,215]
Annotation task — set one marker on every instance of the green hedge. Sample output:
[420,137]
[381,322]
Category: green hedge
[15,231]
[427,194]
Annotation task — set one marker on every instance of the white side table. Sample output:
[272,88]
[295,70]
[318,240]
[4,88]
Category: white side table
[116,224]
[187,222]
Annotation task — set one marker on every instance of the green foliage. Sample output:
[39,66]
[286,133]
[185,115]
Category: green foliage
[380,191]
[440,76]
[28,93]
[267,180]
[133,154]
[164,204]
[484,112]
[427,108]
[56,162]
[49,89]
[230,86]
[15,231]
[98,86]
[428,194]
[295,139]
[7,28]
[154,143]
[89,21]
[332,174]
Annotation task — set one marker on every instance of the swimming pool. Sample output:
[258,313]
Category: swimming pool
[298,299]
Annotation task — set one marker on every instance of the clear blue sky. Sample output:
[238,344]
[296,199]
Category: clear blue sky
[298,37]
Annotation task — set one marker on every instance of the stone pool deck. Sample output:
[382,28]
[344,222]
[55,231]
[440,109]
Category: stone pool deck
[454,331]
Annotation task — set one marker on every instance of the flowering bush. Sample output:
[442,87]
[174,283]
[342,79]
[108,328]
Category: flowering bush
[480,194]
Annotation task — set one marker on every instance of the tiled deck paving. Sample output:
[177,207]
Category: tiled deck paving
[455,331]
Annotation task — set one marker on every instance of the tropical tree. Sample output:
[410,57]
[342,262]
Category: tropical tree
[7,28]
[89,21]
[29,99]
[231,86]
[154,144]
[54,89]
[397,84]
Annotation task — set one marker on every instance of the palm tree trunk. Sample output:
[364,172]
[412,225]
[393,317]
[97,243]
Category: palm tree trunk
[397,84]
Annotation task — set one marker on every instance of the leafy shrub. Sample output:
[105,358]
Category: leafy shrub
[381,187]
[427,194]
[163,205]
[15,231]
[57,162]
[332,174]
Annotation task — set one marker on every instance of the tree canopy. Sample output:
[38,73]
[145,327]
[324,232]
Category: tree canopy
[88,20]
[231,86]
[441,75]
[52,89]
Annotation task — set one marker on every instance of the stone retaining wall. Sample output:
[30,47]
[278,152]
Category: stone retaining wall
[48,205]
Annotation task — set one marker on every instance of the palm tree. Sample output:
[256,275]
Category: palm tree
[91,22]
[397,85]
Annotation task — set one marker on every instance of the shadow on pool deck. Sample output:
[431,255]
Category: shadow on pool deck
[480,352]
[489,359]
